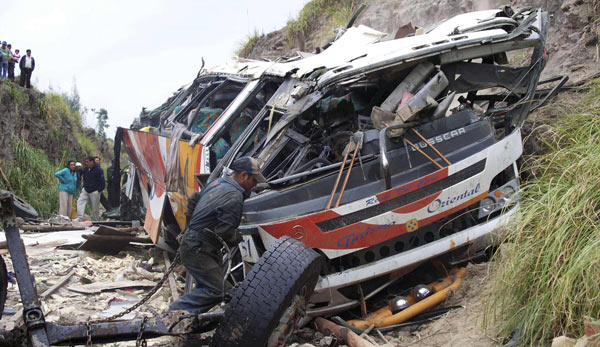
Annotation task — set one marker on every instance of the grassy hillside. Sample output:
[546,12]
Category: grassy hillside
[548,274]
[312,27]
[31,176]
[39,133]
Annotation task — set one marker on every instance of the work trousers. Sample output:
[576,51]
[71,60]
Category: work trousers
[205,264]
[25,77]
[11,71]
[94,199]
[65,203]
[3,69]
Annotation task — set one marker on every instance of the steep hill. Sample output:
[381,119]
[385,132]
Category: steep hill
[39,133]
[572,40]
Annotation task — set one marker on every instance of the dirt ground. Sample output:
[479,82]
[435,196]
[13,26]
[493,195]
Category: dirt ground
[461,327]
[68,306]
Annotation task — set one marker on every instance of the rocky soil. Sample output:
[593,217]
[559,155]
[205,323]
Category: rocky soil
[24,114]
[572,40]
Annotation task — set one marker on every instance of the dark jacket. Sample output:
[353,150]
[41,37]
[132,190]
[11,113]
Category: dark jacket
[22,63]
[219,209]
[78,182]
[93,179]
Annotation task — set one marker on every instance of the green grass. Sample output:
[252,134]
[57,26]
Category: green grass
[548,277]
[246,48]
[53,107]
[87,146]
[14,91]
[31,176]
[334,13]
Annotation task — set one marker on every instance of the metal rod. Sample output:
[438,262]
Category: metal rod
[384,162]
[32,312]
[315,171]
[337,181]
[407,154]
[347,175]
[348,305]
[172,282]
[420,151]
[430,145]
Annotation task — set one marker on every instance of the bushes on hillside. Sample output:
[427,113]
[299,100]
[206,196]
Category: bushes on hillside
[548,278]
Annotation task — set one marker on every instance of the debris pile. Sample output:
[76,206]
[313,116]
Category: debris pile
[90,285]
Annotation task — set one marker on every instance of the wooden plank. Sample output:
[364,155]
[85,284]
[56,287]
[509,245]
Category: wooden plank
[19,315]
[29,248]
[112,238]
[98,287]
[172,282]
[106,230]
[41,228]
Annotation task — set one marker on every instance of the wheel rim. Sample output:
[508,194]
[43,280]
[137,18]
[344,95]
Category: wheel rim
[289,320]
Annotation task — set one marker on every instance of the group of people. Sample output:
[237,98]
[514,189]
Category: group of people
[8,60]
[72,179]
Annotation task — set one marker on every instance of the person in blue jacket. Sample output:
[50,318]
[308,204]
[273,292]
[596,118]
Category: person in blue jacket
[67,179]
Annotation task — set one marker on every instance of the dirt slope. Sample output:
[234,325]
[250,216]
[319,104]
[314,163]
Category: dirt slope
[43,121]
[572,41]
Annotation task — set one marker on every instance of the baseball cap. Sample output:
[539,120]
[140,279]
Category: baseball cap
[250,165]
[77,164]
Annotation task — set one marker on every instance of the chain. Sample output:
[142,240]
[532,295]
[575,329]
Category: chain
[141,341]
[88,330]
[145,298]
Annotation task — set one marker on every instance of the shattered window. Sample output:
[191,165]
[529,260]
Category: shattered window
[241,120]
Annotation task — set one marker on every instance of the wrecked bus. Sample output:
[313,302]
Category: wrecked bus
[167,146]
[379,156]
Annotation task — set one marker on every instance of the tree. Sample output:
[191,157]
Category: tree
[102,118]
[73,99]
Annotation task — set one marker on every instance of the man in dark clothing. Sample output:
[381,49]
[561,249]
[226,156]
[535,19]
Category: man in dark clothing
[219,209]
[79,171]
[93,185]
[27,64]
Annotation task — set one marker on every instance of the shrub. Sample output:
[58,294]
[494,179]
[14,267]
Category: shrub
[31,176]
[334,13]
[548,281]
[87,146]
[246,48]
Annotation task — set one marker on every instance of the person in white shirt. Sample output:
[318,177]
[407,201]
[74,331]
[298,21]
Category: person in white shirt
[27,64]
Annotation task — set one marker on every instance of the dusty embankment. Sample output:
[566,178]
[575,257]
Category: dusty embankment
[46,122]
[572,40]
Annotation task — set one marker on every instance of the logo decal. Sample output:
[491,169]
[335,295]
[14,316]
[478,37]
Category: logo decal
[372,201]
[452,200]
[440,138]
[412,225]
[298,232]
[348,240]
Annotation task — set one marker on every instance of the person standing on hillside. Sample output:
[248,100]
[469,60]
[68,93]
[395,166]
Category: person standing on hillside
[11,64]
[93,185]
[6,57]
[27,64]
[16,58]
[67,178]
